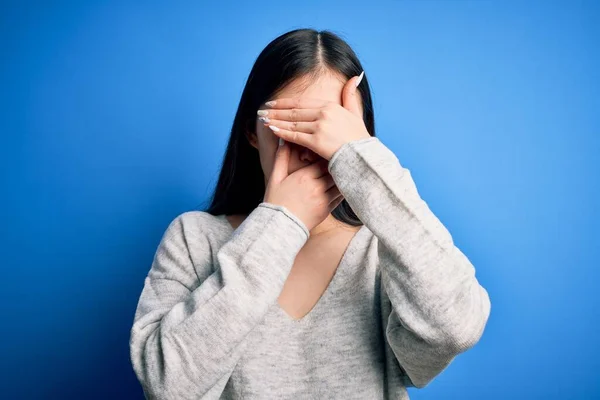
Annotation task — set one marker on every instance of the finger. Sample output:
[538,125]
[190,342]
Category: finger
[333,193]
[300,138]
[336,202]
[291,114]
[351,96]
[298,102]
[280,165]
[305,127]
[328,181]
[314,170]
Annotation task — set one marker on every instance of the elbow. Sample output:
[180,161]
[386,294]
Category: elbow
[407,381]
[148,363]
[165,366]
[465,333]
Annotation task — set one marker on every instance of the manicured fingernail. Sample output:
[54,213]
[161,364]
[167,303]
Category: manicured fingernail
[264,119]
[280,141]
[262,113]
[360,78]
[274,128]
[270,103]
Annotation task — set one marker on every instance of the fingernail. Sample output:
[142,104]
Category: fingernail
[360,78]
[274,128]
[262,113]
[264,119]
[280,142]
[270,103]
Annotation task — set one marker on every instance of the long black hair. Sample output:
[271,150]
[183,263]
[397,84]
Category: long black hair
[298,53]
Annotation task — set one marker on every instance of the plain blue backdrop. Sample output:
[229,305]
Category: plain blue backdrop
[115,116]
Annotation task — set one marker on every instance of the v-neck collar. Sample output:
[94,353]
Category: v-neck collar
[337,279]
[339,275]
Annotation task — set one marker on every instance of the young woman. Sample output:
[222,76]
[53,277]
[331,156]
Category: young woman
[318,272]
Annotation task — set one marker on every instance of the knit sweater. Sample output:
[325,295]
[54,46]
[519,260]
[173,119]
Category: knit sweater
[402,304]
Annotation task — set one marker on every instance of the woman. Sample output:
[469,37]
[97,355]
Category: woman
[317,272]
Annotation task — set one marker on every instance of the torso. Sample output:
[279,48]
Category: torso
[313,269]
[326,326]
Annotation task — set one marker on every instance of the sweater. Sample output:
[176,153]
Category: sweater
[402,304]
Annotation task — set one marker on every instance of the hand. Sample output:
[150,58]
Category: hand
[320,125]
[309,193]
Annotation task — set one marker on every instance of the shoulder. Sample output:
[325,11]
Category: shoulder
[195,224]
[185,251]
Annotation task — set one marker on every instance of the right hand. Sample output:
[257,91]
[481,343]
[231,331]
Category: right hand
[309,193]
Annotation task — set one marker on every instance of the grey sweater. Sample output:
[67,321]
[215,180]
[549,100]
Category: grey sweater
[403,303]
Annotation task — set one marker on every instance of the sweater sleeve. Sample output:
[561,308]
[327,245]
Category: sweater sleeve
[193,317]
[438,308]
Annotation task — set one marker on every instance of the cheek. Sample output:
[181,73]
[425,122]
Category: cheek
[268,144]
[266,136]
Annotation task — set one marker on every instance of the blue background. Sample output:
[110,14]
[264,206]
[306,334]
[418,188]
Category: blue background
[115,116]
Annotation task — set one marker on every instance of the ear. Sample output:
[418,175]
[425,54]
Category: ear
[252,139]
[351,97]
[251,135]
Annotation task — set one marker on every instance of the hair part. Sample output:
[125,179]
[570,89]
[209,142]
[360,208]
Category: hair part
[300,56]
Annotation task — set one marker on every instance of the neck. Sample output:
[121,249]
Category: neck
[326,225]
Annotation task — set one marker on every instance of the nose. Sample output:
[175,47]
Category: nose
[308,155]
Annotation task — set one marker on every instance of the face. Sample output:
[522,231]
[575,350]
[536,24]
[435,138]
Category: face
[328,87]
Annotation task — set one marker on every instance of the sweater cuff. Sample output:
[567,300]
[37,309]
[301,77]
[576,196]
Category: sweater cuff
[346,146]
[289,214]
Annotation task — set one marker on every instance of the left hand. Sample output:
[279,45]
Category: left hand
[319,125]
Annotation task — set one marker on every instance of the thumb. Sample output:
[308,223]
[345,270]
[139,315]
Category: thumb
[280,165]
[350,95]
